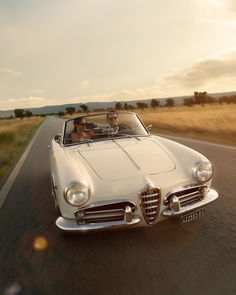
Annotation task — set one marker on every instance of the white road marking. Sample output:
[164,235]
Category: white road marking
[9,182]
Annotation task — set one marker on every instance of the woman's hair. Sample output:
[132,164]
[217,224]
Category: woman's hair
[77,121]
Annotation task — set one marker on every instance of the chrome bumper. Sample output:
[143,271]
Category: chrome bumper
[74,226]
[211,196]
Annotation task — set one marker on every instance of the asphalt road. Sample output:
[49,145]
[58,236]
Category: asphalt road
[168,258]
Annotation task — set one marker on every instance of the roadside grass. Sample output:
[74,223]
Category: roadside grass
[14,135]
[216,123]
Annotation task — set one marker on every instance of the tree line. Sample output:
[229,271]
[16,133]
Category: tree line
[199,98]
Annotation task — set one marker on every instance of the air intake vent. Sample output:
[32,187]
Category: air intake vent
[150,203]
[187,196]
[106,211]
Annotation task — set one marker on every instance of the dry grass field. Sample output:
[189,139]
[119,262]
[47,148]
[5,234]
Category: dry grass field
[14,135]
[216,123]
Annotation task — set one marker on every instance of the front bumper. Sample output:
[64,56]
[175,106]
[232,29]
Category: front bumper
[73,225]
[211,196]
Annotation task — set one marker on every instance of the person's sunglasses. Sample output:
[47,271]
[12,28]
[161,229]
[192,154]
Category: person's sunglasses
[112,118]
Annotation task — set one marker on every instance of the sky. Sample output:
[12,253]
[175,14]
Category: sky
[77,51]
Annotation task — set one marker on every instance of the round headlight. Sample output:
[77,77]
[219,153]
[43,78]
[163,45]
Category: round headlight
[77,193]
[203,171]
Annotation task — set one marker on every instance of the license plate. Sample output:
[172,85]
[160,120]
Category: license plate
[192,216]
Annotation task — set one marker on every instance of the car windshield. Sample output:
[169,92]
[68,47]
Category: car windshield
[85,129]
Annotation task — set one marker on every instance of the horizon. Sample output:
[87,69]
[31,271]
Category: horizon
[216,95]
[60,53]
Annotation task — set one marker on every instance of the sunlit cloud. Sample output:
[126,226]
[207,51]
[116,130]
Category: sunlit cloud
[38,91]
[205,71]
[212,74]
[84,84]
[218,11]
[9,73]
[26,102]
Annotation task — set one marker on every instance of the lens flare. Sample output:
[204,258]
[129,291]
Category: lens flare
[40,243]
[12,289]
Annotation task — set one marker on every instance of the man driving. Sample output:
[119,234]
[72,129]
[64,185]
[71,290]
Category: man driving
[114,124]
[113,121]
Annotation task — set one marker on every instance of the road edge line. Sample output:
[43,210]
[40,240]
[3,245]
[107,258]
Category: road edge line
[11,178]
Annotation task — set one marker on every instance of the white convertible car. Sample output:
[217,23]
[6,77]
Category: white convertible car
[108,171]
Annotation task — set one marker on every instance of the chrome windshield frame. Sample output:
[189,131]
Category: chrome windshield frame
[102,139]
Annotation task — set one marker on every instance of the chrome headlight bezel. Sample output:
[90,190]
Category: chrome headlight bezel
[203,171]
[77,193]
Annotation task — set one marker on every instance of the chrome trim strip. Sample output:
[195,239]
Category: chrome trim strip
[111,211]
[211,196]
[128,155]
[193,194]
[99,114]
[105,203]
[72,225]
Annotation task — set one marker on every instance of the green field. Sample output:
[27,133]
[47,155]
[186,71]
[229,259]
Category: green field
[14,136]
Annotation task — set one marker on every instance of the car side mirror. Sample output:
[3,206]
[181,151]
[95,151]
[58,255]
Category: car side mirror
[58,138]
[149,127]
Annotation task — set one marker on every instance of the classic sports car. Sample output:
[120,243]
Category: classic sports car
[108,171]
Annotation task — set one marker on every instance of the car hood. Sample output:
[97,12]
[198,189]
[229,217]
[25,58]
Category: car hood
[125,158]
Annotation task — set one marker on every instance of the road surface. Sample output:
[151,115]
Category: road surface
[168,258]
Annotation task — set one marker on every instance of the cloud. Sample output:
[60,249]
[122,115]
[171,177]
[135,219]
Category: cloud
[26,102]
[84,84]
[218,11]
[205,71]
[6,73]
[212,74]
[38,91]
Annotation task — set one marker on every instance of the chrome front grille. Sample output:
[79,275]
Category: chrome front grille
[187,195]
[150,203]
[106,211]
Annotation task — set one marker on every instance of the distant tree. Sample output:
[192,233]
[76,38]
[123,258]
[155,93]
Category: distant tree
[70,110]
[126,106]
[233,98]
[170,102]
[141,105]
[84,108]
[155,103]
[28,114]
[60,114]
[188,102]
[118,106]
[19,113]
[200,97]
[131,107]
[109,109]
[211,100]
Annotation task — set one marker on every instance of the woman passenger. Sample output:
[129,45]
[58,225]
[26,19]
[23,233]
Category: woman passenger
[79,133]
